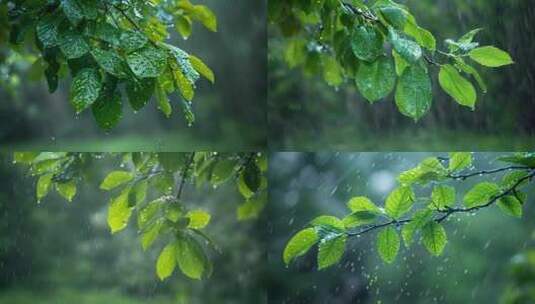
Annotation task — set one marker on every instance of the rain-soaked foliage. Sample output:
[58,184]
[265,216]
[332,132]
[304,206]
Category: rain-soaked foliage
[407,58]
[342,232]
[168,212]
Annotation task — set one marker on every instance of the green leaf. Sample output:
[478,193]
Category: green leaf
[119,211]
[108,110]
[524,159]
[510,205]
[396,16]
[148,62]
[414,92]
[163,101]
[166,263]
[430,169]
[443,196]
[468,37]
[434,238]
[24,157]
[481,194]
[110,62]
[191,258]
[514,177]
[367,43]
[252,176]
[132,41]
[407,49]
[377,79]
[152,233]
[359,218]
[332,71]
[202,68]
[419,219]
[206,17]
[328,221]
[198,219]
[73,10]
[399,202]
[67,190]
[223,170]
[47,30]
[400,63]
[460,161]
[457,86]
[299,244]
[331,250]
[72,44]
[116,179]
[420,35]
[468,69]
[85,89]
[388,244]
[139,92]
[251,208]
[148,213]
[490,56]
[362,203]
[43,185]
[183,26]
[184,85]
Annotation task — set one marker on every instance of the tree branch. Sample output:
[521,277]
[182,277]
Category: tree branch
[450,211]
[184,176]
[487,172]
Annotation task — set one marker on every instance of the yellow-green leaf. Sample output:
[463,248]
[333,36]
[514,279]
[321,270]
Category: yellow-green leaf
[198,219]
[116,179]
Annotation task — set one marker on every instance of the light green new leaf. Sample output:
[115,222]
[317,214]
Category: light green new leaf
[443,196]
[419,219]
[414,92]
[166,263]
[377,79]
[148,237]
[490,56]
[191,258]
[119,211]
[331,250]
[434,238]
[116,179]
[481,194]
[399,202]
[67,190]
[43,185]
[202,68]
[362,203]
[367,43]
[388,244]
[299,244]
[332,71]
[458,87]
[223,170]
[359,218]
[510,205]
[163,101]
[460,160]
[468,69]
[328,221]
[198,219]
[85,89]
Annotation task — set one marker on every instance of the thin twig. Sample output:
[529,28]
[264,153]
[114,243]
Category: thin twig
[486,172]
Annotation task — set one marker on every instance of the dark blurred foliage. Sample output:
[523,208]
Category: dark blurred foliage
[306,113]
[475,266]
[57,252]
[229,114]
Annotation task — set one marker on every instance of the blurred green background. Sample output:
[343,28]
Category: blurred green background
[230,114]
[61,253]
[490,257]
[306,114]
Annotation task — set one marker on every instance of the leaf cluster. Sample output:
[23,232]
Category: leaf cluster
[416,218]
[149,187]
[382,49]
[112,49]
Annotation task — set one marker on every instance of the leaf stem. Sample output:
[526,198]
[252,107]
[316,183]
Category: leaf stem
[185,171]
